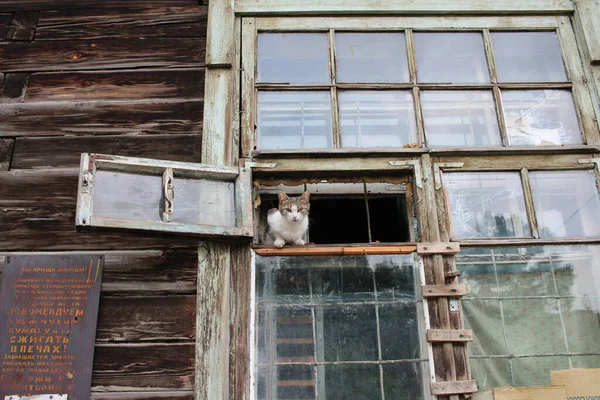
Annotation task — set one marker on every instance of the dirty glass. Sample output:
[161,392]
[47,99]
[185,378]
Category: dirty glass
[540,117]
[460,118]
[371,57]
[139,197]
[566,203]
[486,204]
[528,57]
[532,310]
[339,328]
[377,118]
[294,120]
[294,58]
[444,57]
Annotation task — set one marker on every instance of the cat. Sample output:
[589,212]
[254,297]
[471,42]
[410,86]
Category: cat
[289,222]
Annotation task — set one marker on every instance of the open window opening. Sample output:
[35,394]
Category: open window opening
[345,211]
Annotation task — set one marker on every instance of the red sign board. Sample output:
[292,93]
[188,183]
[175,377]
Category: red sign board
[48,313]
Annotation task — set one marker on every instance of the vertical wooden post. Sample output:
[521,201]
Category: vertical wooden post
[223,300]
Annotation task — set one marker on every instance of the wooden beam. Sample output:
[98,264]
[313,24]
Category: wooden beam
[453,387]
[588,13]
[454,290]
[449,335]
[438,248]
[333,250]
[387,7]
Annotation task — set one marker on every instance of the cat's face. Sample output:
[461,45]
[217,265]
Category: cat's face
[294,209]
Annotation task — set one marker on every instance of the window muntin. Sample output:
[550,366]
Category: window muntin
[532,309]
[487,204]
[345,327]
[470,64]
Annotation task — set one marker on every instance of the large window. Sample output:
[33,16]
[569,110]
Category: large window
[392,86]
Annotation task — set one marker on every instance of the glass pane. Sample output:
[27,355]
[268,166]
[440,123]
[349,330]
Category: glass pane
[451,57]
[139,197]
[545,316]
[460,118]
[486,204]
[371,57]
[528,57]
[353,321]
[571,208]
[294,120]
[293,58]
[540,117]
[377,118]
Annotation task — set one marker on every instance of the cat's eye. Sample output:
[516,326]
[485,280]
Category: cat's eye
[287,210]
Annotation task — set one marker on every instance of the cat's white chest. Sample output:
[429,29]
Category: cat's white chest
[290,231]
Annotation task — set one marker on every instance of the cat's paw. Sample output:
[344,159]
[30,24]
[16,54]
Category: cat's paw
[279,243]
[299,242]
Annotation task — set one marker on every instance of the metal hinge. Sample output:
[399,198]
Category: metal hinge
[416,166]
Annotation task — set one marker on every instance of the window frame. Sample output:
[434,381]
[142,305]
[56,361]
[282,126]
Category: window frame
[576,83]
[91,163]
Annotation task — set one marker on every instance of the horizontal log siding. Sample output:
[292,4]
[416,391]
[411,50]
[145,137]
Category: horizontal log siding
[122,77]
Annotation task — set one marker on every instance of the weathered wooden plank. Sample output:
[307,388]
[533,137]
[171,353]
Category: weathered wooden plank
[453,387]
[13,87]
[6,152]
[588,13]
[4,24]
[150,272]
[39,188]
[144,22]
[345,7]
[219,41]
[163,395]
[16,5]
[449,335]
[514,163]
[53,228]
[101,118]
[333,250]
[146,319]
[101,54]
[23,26]
[65,152]
[438,248]
[454,290]
[147,367]
[116,85]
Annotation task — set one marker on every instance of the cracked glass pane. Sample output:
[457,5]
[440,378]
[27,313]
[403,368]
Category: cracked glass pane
[540,117]
[573,210]
[486,204]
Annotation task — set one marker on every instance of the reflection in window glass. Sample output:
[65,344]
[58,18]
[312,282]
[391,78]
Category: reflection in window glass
[540,117]
[377,118]
[486,204]
[528,57]
[451,57]
[532,310]
[371,57]
[460,118]
[294,120]
[293,58]
[566,203]
[345,327]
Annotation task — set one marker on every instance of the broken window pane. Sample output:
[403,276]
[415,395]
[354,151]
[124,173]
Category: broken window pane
[139,197]
[294,120]
[486,204]
[371,57]
[300,58]
[566,203]
[377,118]
[355,321]
[540,117]
[444,57]
[534,309]
[528,57]
[460,118]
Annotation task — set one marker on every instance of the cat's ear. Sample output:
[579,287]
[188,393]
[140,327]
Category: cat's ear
[282,197]
[305,196]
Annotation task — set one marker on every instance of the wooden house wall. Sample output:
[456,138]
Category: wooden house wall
[120,77]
